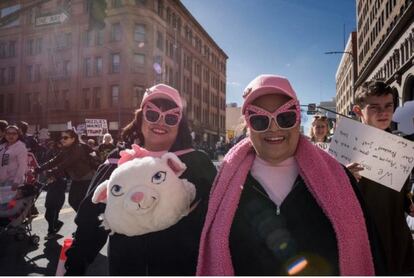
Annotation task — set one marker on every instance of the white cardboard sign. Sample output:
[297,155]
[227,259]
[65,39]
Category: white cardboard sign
[388,159]
[96,127]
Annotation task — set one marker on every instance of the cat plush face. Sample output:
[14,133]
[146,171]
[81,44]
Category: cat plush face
[145,195]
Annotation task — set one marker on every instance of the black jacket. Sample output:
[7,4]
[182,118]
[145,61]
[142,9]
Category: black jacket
[269,240]
[172,251]
[73,161]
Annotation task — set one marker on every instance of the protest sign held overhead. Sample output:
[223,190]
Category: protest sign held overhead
[96,127]
[387,159]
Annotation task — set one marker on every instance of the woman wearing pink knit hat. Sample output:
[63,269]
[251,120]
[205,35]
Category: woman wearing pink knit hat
[280,205]
[159,126]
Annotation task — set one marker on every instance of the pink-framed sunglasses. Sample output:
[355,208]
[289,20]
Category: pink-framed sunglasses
[152,114]
[286,117]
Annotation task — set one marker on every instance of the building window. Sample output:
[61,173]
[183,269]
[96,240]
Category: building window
[30,73]
[139,61]
[65,98]
[140,2]
[138,93]
[116,32]
[12,48]
[139,32]
[10,103]
[115,63]
[1,104]
[114,96]
[160,40]
[3,76]
[12,75]
[37,76]
[30,47]
[3,50]
[88,38]
[87,67]
[100,37]
[28,103]
[97,97]
[116,3]
[38,46]
[86,98]
[159,8]
[66,68]
[98,65]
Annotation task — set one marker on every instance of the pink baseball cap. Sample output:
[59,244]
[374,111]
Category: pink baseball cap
[164,92]
[267,84]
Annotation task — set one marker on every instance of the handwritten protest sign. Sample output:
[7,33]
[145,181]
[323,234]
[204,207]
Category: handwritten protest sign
[386,158]
[96,127]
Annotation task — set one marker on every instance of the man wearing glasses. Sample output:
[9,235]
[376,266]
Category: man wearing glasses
[374,104]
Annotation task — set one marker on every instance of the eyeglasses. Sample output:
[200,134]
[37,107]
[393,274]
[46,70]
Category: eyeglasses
[65,137]
[153,114]
[286,117]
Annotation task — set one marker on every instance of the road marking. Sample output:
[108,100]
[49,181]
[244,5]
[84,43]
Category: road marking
[62,211]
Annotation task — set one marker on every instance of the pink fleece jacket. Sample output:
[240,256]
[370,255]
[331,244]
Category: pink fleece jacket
[13,162]
[332,191]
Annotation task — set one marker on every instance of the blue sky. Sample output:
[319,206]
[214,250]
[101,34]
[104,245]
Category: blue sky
[285,37]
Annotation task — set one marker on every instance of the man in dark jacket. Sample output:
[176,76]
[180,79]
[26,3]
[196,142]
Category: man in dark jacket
[387,207]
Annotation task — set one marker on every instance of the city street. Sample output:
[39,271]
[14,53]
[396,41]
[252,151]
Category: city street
[23,258]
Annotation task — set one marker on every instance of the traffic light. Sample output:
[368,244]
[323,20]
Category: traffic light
[311,108]
[97,14]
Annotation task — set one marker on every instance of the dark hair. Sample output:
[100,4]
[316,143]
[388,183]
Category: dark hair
[372,88]
[72,134]
[132,130]
[3,125]
[23,126]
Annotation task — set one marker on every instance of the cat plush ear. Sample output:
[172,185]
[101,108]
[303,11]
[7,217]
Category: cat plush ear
[174,163]
[100,194]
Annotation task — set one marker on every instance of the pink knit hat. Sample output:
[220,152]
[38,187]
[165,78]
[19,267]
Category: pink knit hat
[164,92]
[266,84]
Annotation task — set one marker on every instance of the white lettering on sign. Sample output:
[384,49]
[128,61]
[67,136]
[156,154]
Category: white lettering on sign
[51,19]
[387,159]
[96,127]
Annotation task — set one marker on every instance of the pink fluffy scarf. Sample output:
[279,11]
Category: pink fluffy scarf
[332,191]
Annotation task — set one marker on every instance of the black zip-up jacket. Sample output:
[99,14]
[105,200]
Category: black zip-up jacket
[172,251]
[269,240]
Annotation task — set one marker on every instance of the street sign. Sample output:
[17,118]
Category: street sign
[51,19]
[96,127]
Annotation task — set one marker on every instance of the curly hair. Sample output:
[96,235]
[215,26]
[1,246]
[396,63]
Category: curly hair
[374,87]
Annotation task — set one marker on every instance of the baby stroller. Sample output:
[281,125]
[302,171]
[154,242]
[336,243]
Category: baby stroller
[16,214]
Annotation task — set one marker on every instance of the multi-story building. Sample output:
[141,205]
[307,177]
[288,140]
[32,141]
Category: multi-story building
[346,76]
[386,44]
[54,68]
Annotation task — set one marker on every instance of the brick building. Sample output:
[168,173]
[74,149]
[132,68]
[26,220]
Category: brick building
[55,69]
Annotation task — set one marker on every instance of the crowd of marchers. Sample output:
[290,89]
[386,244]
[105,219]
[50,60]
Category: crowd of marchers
[278,205]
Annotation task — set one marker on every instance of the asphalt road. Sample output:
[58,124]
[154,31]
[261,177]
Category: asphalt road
[24,258]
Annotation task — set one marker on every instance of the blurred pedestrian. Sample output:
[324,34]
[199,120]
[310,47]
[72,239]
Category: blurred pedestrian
[277,204]
[3,125]
[55,196]
[13,155]
[74,161]
[106,147]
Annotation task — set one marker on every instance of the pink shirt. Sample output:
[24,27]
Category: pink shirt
[276,180]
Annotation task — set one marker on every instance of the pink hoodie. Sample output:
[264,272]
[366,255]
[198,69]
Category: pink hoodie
[13,162]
